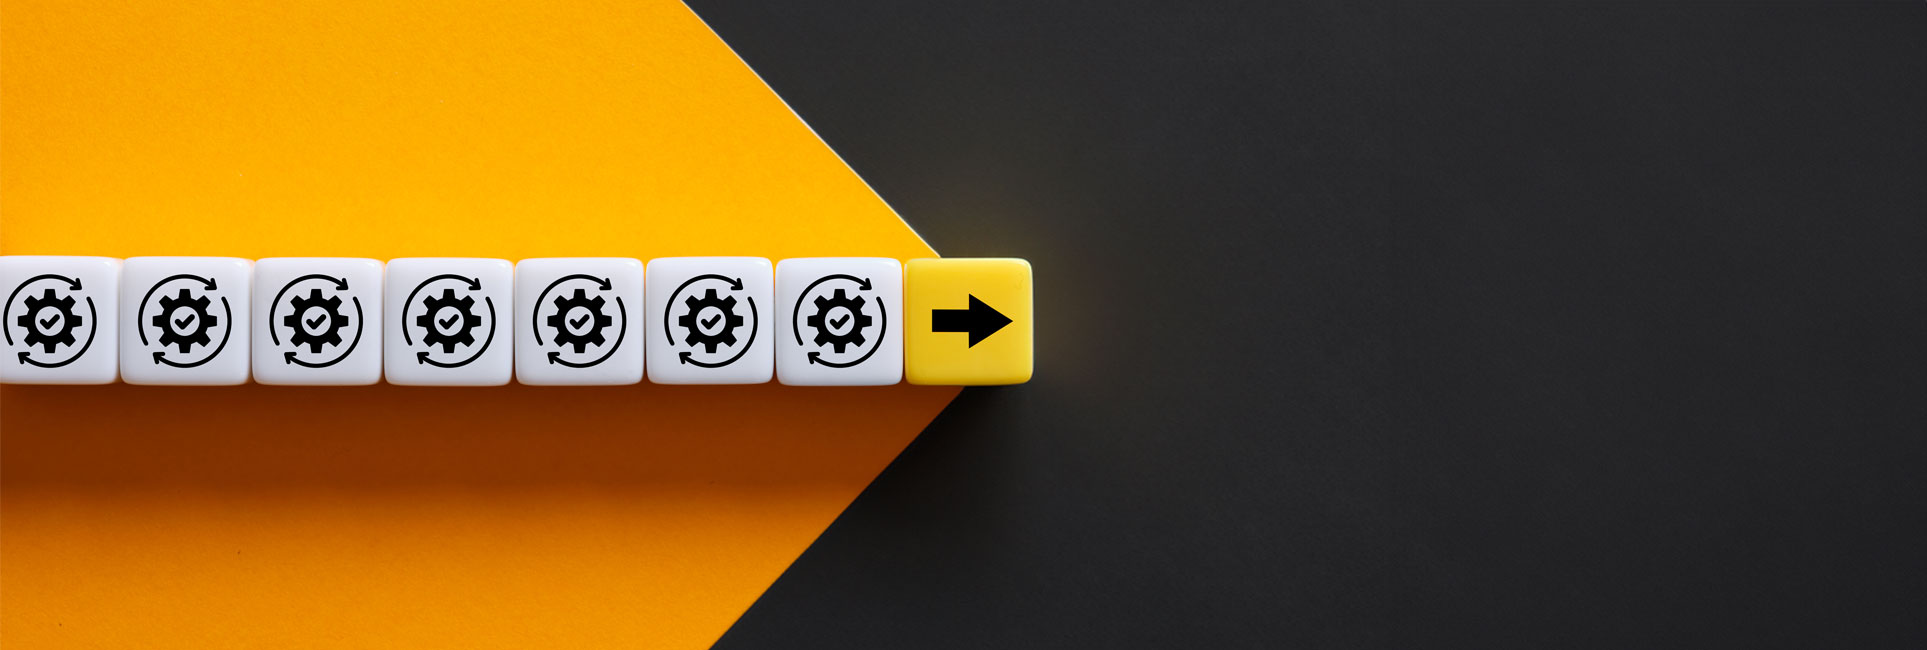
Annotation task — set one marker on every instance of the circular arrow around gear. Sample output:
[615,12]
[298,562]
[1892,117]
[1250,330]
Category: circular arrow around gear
[289,357]
[226,321]
[816,357]
[735,284]
[26,356]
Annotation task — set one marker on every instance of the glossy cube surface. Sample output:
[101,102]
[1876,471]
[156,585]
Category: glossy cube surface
[712,320]
[840,321]
[969,321]
[317,321]
[446,321]
[61,319]
[185,320]
[579,321]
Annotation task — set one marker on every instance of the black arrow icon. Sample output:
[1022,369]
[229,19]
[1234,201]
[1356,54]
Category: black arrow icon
[74,283]
[980,320]
[735,284]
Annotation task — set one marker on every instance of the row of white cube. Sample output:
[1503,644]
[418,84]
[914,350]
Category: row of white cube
[312,321]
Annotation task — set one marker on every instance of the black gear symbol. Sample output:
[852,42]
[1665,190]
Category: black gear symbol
[724,336]
[464,336]
[331,305]
[823,334]
[64,335]
[559,320]
[203,321]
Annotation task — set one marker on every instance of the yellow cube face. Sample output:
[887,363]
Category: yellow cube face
[967,321]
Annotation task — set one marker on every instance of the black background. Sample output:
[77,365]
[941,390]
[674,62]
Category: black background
[1393,325]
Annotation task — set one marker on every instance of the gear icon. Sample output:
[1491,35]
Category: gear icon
[332,331]
[819,319]
[592,335]
[464,334]
[184,333]
[726,335]
[62,335]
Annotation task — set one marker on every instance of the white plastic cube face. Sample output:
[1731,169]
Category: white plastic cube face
[317,321]
[185,320]
[710,320]
[578,321]
[447,321]
[840,321]
[61,319]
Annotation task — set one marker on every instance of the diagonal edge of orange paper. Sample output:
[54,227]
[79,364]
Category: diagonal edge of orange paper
[387,516]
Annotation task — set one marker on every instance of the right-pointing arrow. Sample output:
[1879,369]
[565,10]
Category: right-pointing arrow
[979,320]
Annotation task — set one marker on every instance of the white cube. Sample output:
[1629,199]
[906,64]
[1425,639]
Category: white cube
[712,319]
[185,320]
[841,321]
[446,321]
[317,321]
[578,321]
[61,319]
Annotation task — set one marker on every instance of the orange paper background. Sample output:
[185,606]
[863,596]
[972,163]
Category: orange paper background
[640,516]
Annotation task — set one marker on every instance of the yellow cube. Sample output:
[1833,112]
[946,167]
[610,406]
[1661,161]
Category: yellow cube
[967,321]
